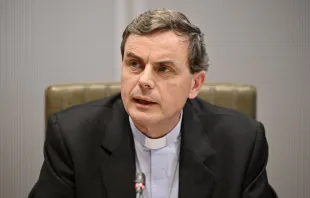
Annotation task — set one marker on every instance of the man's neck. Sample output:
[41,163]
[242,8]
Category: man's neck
[158,130]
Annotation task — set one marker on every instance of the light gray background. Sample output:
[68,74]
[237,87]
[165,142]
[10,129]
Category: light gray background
[259,42]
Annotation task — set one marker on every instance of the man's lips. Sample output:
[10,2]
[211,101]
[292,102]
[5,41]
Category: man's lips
[144,100]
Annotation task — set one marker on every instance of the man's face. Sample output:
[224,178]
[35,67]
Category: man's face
[156,80]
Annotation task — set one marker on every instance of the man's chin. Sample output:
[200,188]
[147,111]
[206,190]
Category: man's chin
[144,118]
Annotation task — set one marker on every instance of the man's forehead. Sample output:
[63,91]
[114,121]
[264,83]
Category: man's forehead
[165,43]
[158,38]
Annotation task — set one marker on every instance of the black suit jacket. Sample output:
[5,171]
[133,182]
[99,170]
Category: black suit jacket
[89,153]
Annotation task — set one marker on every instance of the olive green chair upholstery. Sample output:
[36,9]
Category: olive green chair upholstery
[234,96]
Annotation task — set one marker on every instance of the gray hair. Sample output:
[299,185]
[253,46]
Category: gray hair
[164,19]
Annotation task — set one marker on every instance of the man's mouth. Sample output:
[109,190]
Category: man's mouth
[144,102]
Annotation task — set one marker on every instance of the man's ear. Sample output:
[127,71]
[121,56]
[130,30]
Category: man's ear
[197,81]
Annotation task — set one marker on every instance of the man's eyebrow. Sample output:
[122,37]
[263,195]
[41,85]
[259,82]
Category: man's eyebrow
[167,62]
[133,55]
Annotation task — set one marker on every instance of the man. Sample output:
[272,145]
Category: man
[186,147]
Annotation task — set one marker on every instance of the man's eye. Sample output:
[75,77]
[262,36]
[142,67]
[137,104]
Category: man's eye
[163,69]
[134,64]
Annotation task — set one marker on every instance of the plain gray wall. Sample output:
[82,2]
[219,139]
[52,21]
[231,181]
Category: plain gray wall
[259,42]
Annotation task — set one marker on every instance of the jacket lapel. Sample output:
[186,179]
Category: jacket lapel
[196,178]
[118,155]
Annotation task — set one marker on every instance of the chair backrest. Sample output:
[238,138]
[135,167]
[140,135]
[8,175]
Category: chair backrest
[234,96]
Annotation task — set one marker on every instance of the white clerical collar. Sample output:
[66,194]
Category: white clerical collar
[158,143]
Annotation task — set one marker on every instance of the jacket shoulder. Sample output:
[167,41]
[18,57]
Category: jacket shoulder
[224,121]
[85,115]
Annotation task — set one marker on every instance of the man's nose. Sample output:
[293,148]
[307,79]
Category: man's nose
[146,79]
